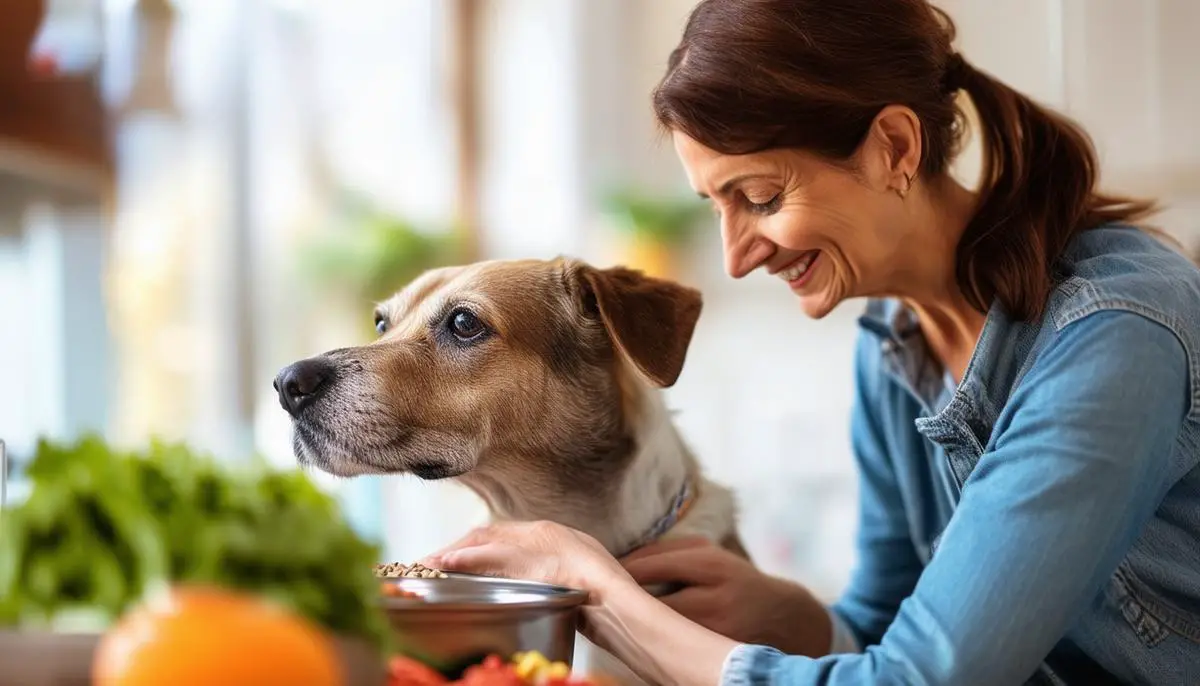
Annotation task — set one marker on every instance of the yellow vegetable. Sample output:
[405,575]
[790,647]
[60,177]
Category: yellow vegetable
[534,668]
[529,665]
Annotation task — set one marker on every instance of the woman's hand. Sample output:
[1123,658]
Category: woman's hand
[535,551]
[727,594]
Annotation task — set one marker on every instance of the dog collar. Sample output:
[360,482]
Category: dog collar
[680,505]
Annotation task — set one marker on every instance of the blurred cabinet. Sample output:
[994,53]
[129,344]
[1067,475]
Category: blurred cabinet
[53,128]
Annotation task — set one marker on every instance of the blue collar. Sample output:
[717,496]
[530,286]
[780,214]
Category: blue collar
[679,507]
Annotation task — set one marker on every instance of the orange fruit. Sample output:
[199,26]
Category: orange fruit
[193,636]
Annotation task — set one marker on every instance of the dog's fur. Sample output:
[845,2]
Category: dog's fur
[552,412]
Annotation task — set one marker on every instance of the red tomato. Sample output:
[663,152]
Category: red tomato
[493,662]
[403,671]
[491,673]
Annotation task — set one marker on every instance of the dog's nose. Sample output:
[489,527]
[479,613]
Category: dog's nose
[298,384]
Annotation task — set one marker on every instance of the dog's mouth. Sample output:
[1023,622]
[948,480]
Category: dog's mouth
[320,449]
[434,471]
[399,453]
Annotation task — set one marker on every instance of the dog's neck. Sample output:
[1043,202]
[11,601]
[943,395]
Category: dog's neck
[661,470]
[620,516]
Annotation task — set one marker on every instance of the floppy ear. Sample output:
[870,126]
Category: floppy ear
[649,320]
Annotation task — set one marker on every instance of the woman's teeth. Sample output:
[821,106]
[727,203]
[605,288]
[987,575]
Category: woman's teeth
[797,270]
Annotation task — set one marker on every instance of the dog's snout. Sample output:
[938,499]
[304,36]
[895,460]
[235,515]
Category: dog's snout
[300,383]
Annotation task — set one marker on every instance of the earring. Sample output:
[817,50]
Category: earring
[908,181]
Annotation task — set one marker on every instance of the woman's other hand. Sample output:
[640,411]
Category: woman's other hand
[726,593]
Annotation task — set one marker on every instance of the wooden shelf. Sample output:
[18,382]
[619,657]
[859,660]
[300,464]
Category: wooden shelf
[54,129]
[66,178]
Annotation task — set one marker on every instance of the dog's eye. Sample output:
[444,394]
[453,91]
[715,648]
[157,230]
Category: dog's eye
[464,324]
[381,323]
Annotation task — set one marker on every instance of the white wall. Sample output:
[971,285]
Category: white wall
[1128,71]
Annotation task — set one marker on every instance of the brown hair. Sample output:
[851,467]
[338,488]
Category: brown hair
[751,75]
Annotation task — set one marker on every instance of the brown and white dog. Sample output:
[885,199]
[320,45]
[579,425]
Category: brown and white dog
[536,384]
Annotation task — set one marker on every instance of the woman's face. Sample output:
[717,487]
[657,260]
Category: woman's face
[828,232]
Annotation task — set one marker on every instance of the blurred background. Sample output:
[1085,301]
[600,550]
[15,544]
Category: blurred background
[194,193]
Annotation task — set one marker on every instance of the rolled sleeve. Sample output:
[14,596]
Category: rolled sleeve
[749,664]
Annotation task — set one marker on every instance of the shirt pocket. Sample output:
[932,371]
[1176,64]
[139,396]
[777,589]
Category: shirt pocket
[1152,617]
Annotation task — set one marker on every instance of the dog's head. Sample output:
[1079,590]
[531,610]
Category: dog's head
[514,368]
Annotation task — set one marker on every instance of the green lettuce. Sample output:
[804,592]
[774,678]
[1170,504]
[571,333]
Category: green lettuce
[102,527]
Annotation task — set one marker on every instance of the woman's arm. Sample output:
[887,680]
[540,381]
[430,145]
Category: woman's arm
[1044,519]
[661,645]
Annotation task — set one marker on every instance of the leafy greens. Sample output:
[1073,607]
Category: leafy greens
[101,528]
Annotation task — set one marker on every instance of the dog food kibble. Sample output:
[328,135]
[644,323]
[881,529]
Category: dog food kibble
[397,570]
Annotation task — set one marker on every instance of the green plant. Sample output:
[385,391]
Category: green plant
[666,219]
[101,528]
[372,254]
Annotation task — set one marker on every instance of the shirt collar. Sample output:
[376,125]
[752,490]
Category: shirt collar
[889,320]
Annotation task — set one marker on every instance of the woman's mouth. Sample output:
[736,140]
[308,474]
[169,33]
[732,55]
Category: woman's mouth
[797,273]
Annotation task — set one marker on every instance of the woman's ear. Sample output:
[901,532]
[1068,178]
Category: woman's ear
[893,148]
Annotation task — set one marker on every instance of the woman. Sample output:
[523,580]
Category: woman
[1025,423]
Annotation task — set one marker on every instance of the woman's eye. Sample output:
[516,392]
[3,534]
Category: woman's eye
[381,324]
[767,207]
[465,325]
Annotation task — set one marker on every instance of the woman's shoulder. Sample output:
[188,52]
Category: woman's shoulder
[1125,268]
[1143,291]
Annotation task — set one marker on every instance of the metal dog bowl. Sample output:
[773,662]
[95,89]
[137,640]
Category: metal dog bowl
[459,620]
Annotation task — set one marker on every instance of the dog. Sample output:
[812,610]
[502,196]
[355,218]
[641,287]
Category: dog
[536,384]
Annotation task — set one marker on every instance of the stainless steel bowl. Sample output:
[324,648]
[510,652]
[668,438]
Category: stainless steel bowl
[459,620]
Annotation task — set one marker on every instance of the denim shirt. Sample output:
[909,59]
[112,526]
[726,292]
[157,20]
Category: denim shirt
[1040,522]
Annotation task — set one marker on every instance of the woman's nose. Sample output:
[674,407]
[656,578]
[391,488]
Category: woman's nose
[744,251]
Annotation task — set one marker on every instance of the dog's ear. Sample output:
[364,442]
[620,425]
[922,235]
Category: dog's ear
[649,320]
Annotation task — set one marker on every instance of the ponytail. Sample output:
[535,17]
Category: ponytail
[1037,192]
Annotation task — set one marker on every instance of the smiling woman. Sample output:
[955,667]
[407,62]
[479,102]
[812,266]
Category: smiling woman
[888,119]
